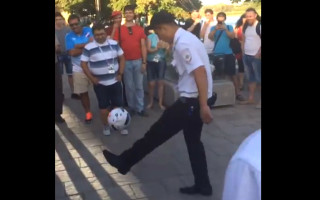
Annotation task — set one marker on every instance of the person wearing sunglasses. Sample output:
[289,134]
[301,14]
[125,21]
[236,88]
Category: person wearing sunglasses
[132,40]
[75,42]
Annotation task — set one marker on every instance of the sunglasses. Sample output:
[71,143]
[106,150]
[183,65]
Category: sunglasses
[130,30]
[75,24]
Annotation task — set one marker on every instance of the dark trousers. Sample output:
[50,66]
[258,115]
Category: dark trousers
[58,91]
[184,115]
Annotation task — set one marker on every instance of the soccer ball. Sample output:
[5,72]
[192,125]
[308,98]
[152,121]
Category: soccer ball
[119,119]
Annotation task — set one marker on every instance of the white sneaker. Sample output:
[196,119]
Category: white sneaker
[124,132]
[106,130]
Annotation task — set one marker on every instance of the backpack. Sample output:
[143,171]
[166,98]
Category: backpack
[235,45]
[257,28]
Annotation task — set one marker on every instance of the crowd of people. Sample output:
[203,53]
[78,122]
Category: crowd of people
[113,61]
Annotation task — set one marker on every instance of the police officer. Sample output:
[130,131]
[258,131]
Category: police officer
[188,113]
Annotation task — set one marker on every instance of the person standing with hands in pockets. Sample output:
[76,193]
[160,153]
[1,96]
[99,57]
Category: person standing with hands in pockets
[99,62]
[188,113]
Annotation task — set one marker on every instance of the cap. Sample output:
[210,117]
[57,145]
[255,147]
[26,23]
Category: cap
[115,13]
[162,17]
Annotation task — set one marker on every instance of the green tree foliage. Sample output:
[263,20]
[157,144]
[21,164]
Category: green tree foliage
[179,8]
[237,1]
[119,4]
[65,4]
[189,5]
[233,9]
[149,7]
[84,7]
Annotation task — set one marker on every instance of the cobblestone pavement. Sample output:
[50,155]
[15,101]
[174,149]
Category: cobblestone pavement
[82,173]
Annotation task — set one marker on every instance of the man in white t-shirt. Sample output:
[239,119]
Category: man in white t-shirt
[243,175]
[251,46]
[205,30]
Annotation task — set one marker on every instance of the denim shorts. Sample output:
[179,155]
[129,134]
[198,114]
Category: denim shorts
[110,95]
[156,70]
[65,59]
[252,68]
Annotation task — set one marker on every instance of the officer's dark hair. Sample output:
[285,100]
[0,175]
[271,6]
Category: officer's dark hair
[58,14]
[129,7]
[162,17]
[222,14]
[97,26]
[73,16]
[209,10]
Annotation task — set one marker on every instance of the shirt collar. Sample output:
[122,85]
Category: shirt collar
[103,44]
[177,35]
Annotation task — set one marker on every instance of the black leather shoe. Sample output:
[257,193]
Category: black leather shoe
[115,161]
[206,191]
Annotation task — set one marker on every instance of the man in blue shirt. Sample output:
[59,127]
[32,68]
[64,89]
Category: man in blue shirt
[223,58]
[75,42]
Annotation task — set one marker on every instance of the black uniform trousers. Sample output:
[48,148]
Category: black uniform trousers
[58,91]
[184,115]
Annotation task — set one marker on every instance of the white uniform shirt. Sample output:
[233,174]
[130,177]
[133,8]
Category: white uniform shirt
[243,175]
[252,42]
[189,53]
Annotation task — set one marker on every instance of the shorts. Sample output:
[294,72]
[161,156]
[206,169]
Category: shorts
[110,95]
[252,68]
[225,64]
[81,82]
[156,70]
[65,59]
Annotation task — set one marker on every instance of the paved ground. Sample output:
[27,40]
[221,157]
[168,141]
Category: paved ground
[83,174]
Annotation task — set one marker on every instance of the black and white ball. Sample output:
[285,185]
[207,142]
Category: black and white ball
[119,119]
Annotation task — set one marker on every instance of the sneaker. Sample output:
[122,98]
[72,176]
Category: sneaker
[88,117]
[106,130]
[240,97]
[59,119]
[142,114]
[75,96]
[124,132]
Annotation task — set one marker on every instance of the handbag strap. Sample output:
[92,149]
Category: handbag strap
[215,43]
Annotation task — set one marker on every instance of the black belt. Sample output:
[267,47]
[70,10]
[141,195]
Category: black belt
[188,99]
[211,101]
